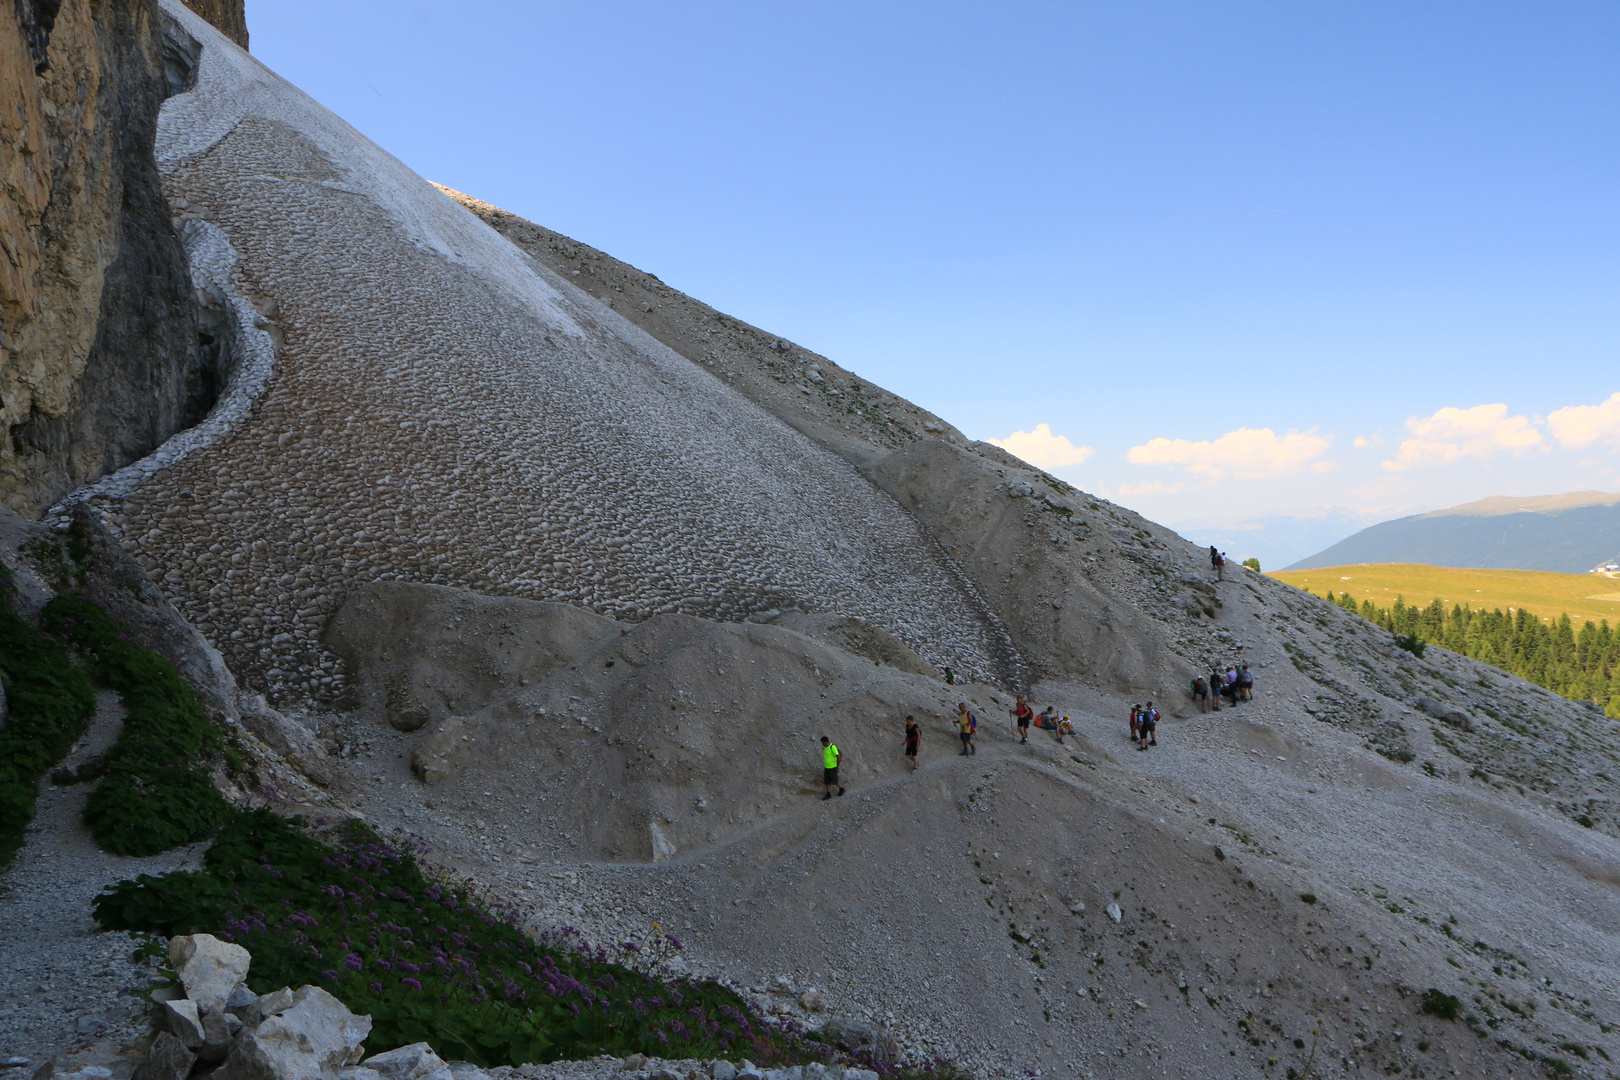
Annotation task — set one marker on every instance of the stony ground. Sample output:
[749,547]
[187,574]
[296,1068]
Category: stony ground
[1273,887]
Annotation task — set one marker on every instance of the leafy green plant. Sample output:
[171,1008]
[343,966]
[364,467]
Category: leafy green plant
[157,793]
[1412,644]
[1438,1003]
[1252,564]
[360,917]
[51,702]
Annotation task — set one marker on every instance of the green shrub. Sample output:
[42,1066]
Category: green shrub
[157,793]
[428,962]
[51,702]
[1443,1005]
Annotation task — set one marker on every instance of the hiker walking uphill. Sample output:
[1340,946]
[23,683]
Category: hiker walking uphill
[1218,562]
[829,767]
[913,740]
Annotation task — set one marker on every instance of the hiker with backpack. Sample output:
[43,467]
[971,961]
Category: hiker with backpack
[1245,682]
[1022,715]
[1200,690]
[1147,728]
[913,740]
[830,758]
[1218,562]
[967,725]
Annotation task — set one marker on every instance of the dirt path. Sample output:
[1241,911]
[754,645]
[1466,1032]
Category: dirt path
[63,982]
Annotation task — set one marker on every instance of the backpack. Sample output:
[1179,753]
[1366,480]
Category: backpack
[973,723]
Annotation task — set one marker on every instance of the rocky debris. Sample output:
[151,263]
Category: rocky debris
[860,1037]
[296,743]
[1447,714]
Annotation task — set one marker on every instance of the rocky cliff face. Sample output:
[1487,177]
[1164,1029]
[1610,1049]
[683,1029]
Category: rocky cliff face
[99,358]
[226,16]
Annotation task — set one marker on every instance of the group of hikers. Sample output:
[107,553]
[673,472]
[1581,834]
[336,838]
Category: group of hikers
[1235,684]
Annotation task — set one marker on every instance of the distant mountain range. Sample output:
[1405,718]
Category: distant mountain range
[1570,533]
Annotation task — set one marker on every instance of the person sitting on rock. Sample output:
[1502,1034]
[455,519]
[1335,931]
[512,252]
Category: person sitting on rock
[1064,727]
[1048,720]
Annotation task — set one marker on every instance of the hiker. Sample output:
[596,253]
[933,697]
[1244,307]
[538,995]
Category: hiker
[1200,690]
[1229,685]
[1136,714]
[950,677]
[1064,727]
[1148,726]
[1245,682]
[1021,718]
[1048,720]
[966,725]
[1216,685]
[1218,561]
[913,737]
[829,767]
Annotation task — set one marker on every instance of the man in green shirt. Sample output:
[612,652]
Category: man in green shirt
[829,767]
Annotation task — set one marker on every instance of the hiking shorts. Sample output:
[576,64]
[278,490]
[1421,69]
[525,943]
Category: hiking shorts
[1202,691]
[967,737]
[829,776]
[1023,725]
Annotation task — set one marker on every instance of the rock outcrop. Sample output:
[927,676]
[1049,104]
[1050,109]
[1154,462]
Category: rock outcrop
[226,16]
[99,358]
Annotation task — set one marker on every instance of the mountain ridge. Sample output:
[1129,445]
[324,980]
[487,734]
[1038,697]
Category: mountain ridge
[1569,533]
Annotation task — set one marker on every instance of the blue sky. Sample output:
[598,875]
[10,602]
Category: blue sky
[1212,247]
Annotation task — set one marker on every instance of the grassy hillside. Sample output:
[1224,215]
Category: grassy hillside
[1582,596]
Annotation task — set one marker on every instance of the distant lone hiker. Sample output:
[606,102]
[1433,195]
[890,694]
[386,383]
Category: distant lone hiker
[1218,561]
[829,767]
[913,738]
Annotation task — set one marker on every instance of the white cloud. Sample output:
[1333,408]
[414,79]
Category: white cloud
[1579,426]
[1451,434]
[1246,452]
[1150,487]
[1325,467]
[1043,449]
[1361,442]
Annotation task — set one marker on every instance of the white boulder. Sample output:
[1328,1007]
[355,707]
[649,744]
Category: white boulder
[311,1039]
[209,968]
[411,1062]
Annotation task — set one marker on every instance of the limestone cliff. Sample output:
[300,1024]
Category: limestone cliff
[226,16]
[98,333]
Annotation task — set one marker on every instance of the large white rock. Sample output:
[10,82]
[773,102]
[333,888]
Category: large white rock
[209,968]
[311,1039]
[406,1063]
